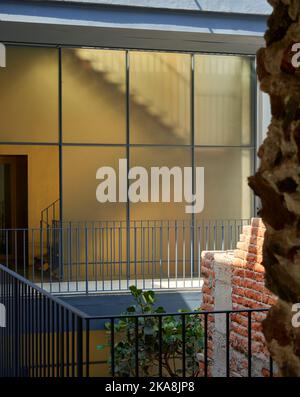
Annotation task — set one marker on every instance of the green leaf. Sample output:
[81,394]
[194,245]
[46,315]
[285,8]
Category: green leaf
[134,291]
[125,342]
[160,309]
[131,309]
[149,297]
[107,326]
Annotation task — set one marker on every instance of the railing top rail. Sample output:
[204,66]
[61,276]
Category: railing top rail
[87,317]
[53,298]
[67,225]
[196,312]
[156,220]
[50,205]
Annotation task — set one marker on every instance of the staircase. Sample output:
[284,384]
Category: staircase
[49,240]
[158,96]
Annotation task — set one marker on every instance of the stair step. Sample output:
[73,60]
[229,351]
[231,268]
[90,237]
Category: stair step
[110,69]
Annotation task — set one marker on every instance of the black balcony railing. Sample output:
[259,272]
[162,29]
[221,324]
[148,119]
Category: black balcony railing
[68,257]
[46,337]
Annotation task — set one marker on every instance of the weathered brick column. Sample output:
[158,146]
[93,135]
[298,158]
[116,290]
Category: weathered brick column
[235,280]
[277,182]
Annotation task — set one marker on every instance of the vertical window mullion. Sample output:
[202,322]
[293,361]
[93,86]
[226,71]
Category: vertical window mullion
[193,154]
[60,132]
[127,65]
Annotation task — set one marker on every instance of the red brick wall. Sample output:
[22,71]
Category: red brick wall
[248,291]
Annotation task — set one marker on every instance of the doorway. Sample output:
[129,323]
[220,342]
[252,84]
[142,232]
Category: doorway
[13,208]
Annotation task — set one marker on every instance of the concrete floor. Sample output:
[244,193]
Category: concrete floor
[116,304]
[115,286]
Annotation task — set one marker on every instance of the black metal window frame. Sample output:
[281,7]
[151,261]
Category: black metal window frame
[60,144]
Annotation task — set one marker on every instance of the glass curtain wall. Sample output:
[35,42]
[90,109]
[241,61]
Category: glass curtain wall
[163,109]
[70,111]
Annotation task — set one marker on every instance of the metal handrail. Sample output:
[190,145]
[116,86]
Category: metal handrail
[45,212]
[43,292]
[40,325]
[85,316]
[111,255]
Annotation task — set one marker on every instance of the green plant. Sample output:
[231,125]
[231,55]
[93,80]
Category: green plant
[147,343]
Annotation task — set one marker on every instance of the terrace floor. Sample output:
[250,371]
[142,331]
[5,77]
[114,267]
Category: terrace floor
[115,286]
[107,304]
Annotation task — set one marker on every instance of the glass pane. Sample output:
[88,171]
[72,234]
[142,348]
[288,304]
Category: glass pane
[160,237]
[94,100]
[161,157]
[222,100]
[160,96]
[80,165]
[97,231]
[226,193]
[29,95]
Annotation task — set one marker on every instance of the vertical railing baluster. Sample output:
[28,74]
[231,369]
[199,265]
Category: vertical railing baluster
[86,260]
[32,256]
[68,260]
[111,258]
[120,256]
[249,345]
[205,345]
[79,347]
[57,337]
[137,346]
[199,255]
[16,251]
[24,253]
[87,348]
[42,257]
[112,347]
[183,322]
[160,255]
[16,327]
[168,252]
[222,236]
[53,338]
[73,344]
[227,344]
[183,253]
[36,333]
[135,253]
[44,313]
[94,265]
[143,254]
[160,345]
[192,238]
[48,321]
[62,342]
[176,254]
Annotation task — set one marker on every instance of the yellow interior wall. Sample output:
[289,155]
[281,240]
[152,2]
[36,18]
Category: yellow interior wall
[29,95]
